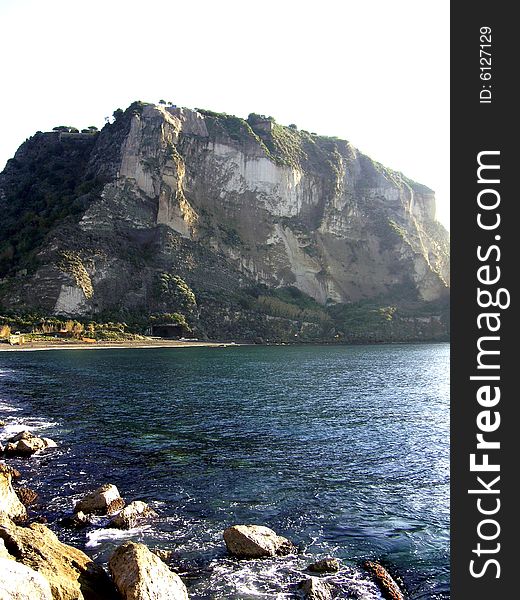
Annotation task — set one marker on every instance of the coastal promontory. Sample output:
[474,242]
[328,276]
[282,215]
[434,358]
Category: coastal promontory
[241,228]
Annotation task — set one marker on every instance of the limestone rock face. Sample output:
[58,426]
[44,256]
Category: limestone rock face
[71,574]
[255,541]
[141,575]
[316,589]
[226,203]
[134,513]
[105,500]
[19,582]
[10,504]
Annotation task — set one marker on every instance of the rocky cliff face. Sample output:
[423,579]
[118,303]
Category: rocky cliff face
[92,220]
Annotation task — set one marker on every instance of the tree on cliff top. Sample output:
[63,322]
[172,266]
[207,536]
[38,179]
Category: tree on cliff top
[66,129]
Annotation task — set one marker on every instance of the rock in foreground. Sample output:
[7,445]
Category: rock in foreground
[384,580]
[132,515]
[26,443]
[19,582]
[106,500]
[315,589]
[255,541]
[10,504]
[140,575]
[71,574]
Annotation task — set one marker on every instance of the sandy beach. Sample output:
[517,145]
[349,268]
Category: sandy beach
[76,345]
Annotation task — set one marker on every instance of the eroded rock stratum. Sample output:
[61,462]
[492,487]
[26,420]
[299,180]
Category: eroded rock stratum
[91,221]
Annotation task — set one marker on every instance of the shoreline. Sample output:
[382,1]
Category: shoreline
[163,343]
[125,344]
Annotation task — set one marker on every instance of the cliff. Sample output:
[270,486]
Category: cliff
[252,216]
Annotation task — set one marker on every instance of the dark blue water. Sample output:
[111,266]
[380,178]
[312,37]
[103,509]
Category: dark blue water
[342,449]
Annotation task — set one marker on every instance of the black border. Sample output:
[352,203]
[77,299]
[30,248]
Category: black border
[476,127]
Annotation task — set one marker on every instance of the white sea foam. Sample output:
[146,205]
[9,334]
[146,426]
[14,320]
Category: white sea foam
[16,425]
[279,578]
[7,407]
[100,536]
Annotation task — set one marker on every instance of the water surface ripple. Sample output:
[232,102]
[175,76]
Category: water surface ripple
[342,449]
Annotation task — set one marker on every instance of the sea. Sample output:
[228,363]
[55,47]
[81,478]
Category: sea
[342,449]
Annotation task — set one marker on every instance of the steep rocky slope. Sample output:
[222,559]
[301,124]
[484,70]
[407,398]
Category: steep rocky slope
[256,218]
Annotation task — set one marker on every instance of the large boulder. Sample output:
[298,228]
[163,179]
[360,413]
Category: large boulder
[141,575]
[71,574]
[132,515]
[255,541]
[19,582]
[10,504]
[26,443]
[106,500]
[384,580]
[314,588]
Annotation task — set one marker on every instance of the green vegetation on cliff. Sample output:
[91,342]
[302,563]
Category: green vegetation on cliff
[48,186]
[256,314]
[284,145]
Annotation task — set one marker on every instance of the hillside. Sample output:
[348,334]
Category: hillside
[244,228]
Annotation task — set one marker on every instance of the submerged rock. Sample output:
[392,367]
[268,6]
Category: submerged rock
[133,514]
[26,443]
[315,589]
[26,496]
[77,520]
[106,500]
[71,573]
[384,580]
[140,575]
[325,565]
[256,541]
[20,582]
[10,504]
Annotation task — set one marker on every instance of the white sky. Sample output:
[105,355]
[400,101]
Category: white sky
[374,72]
